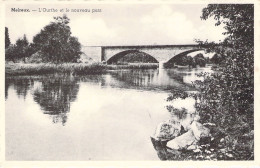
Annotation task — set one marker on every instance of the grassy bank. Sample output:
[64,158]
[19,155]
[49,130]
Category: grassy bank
[133,66]
[14,69]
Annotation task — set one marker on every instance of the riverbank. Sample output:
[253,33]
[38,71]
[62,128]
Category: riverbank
[201,142]
[16,69]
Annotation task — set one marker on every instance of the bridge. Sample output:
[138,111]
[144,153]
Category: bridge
[161,53]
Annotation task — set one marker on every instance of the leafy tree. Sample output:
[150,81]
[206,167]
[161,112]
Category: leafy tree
[7,38]
[216,59]
[21,48]
[191,62]
[183,60]
[226,98]
[55,42]
[10,53]
[237,51]
[19,51]
[200,60]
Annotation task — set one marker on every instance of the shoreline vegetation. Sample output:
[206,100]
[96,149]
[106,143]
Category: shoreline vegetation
[225,103]
[20,69]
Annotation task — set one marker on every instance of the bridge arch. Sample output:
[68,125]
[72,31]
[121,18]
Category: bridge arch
[182,54]
[136,53]
[171,61]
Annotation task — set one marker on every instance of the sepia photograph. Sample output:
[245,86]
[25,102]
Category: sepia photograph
[129,81]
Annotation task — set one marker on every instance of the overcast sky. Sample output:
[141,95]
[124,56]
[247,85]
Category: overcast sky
[121,24]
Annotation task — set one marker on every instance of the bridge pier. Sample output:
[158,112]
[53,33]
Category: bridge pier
[161,64]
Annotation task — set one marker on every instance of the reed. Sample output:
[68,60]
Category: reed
[15,69]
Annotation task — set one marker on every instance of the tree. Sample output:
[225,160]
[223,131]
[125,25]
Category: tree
[200,60]
[7,38]
[227,97]
[237,50]
[21,48]
[55,42]
[19,51]
[191,62]
[10,53]
[216,59]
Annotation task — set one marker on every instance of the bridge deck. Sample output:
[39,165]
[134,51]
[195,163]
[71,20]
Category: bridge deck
[148,46]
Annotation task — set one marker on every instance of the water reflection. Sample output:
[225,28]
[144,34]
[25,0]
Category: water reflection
[55,95]
[21,86]
[162,80]
[97,110]
[7,84]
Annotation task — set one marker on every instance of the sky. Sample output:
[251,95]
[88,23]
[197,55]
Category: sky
[120,24]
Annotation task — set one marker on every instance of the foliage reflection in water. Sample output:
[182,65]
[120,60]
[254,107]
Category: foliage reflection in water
[55,96]
[89,106]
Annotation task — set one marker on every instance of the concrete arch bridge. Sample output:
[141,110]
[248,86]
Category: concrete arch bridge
[160,53]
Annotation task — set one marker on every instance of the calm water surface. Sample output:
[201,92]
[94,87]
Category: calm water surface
[95,117]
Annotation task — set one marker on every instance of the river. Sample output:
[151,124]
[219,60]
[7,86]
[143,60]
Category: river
[95,117]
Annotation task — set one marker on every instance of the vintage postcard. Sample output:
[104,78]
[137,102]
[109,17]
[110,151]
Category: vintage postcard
[124,81]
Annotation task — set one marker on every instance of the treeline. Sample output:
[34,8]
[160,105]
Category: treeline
[53,43]
[133,57]
[198,59]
